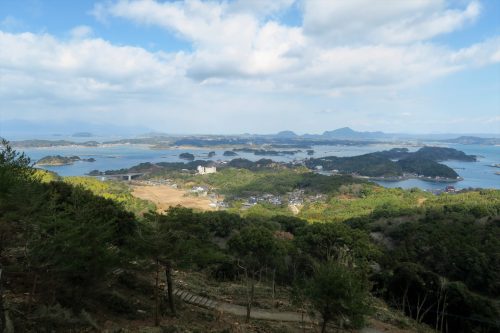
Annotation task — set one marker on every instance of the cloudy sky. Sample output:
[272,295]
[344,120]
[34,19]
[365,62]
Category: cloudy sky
[258,66]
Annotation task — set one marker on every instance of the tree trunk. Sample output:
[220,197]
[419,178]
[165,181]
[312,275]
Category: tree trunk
[250,301]
[443,314]
[157,310]
[249,293]
[32,295]
[170,287]
[323,326]
[274,284]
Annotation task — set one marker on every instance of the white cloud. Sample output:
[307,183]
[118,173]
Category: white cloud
[81,31]
[360,21]
[240,53]
[229,39]
[479,54]
[49,73]
[342,45]
[260,8]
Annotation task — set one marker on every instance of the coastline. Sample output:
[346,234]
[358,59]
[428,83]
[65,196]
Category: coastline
[426,179]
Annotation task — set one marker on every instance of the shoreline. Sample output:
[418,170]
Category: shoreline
[403,178]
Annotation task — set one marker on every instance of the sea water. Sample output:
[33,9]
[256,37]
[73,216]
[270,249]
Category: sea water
[478,174]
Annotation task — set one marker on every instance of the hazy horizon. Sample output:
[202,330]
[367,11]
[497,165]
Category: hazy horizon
[24,132]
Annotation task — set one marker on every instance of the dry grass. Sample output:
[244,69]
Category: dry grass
[164,196]
[421,201]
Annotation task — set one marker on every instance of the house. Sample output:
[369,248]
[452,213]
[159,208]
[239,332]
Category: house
[450,189]
[206,170]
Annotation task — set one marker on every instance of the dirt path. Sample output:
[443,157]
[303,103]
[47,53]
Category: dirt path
[239,310]
[163,196]
[295,210]
[374,326]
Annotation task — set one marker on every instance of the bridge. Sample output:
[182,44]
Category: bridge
[120,176]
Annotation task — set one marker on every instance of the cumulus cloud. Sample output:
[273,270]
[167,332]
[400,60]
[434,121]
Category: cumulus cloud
[241,48]
[361,21]
[229,38]
[70,69]
[341,45]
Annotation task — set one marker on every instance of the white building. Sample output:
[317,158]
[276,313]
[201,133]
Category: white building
[206,170]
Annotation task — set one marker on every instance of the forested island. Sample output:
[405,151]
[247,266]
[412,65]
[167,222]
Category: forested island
[229,153]
[52,143]
[186,156]
[58,160]
[396,163]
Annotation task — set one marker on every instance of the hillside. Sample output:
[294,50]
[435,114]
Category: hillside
[51,143]
[61,160]
[74,258]
[397,162]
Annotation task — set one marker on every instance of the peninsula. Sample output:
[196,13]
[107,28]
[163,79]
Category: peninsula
[58,160]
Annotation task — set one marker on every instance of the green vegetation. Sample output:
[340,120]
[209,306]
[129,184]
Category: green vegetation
[242,182]
[186,156]
[113,190]
[428,153]
[62,160]
[423,162]
[229,153]
[443,154]
[366,165]
[337,293]
[72,248]
[52,143]
[427,168]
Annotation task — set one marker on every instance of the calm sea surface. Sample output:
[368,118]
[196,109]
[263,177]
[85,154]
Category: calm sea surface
[475,174]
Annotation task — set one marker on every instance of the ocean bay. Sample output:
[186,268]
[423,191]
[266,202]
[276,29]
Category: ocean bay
[478,174]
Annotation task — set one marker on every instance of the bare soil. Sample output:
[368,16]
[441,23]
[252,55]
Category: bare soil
[164,196]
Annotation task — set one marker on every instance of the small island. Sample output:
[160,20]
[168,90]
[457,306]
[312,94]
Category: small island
[186,156]
[229,153]
[58,160]
[211,154]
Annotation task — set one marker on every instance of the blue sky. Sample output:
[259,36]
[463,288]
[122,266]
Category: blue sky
[418,66]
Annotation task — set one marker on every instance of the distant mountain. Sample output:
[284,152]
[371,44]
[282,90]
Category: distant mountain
[350,134]
[286,135]
[18,129]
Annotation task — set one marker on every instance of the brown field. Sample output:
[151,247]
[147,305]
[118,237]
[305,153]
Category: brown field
[164,196]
